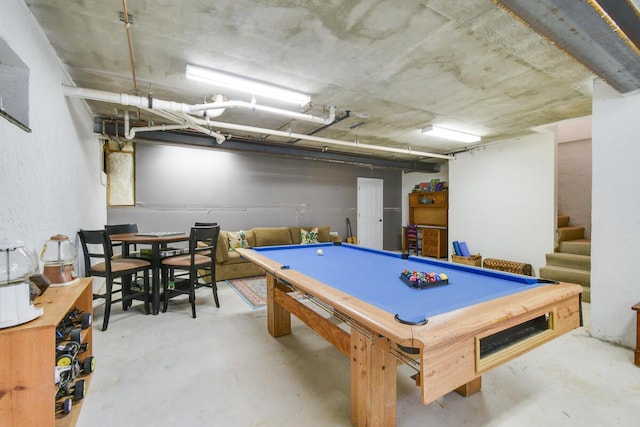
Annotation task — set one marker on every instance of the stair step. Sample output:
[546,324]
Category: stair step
[569,260]
[569,275]
[578,247]
[564,274]
[570,233]
[563,220]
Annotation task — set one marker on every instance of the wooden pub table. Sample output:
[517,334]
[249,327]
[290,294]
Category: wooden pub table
[157,240]
[451,334]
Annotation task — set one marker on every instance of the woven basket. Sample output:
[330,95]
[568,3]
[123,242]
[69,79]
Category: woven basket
[508,266]
[475,260]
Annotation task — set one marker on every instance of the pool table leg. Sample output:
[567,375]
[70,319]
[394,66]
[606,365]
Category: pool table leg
[278,319]
[373,381]
[471,387]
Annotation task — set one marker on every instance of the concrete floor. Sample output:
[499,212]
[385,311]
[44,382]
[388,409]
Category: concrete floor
[224,369]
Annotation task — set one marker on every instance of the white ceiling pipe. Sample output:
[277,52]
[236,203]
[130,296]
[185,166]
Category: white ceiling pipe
[125,99]
[166,115]
[142,102]
[198,109]
[131,133]
[219,139]
[185,121]
[255,107]
[216,112]
[311,138]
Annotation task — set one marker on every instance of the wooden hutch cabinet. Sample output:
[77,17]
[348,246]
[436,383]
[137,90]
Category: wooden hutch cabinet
[430,212]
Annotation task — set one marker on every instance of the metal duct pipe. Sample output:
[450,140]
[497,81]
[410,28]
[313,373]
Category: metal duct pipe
[127,26]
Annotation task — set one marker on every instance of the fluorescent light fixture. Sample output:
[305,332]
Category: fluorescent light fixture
[450,134]
[256,88]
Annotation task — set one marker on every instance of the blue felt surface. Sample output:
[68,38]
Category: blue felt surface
[374,276]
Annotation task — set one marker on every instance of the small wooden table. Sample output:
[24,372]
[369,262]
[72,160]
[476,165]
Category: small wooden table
[156,240]
[637,351]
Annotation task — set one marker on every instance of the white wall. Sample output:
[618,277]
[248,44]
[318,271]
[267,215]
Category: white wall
[502,199]
[615,217]
[50,178]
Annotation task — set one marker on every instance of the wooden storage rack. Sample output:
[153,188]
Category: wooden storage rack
[28,359]
[433,220]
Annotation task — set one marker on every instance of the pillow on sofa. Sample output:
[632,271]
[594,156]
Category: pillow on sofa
[295,235]
[272,236]
[307,237]
[237,240]
[324,234]
[222,250]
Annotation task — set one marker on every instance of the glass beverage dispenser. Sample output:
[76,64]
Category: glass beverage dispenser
[16,265]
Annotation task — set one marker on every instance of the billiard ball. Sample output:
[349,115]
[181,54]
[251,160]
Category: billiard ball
[319,252]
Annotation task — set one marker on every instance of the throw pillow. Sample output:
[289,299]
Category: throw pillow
[237,240]
[309,236]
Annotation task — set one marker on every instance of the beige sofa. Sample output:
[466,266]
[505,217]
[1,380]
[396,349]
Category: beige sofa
[229,265]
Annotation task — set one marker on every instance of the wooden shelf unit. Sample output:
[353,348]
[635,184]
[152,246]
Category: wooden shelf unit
[28,359]
[433,219]
[434,213]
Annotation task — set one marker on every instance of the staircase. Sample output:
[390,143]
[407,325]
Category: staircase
[571,261]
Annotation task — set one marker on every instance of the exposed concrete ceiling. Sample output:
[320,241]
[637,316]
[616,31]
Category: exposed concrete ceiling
[391,68]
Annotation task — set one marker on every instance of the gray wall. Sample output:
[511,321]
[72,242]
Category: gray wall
[178,185]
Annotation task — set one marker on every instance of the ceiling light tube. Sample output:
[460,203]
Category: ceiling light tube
[253,87]
[450,134]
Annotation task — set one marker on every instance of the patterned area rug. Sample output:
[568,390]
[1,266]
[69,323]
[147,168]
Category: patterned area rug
[254,291]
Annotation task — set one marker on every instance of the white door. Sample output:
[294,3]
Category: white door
[370,210]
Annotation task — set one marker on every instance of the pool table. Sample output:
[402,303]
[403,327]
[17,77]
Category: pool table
[450,332]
